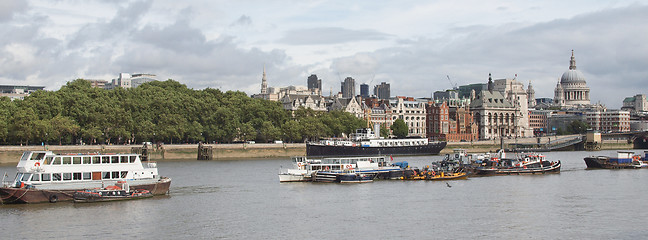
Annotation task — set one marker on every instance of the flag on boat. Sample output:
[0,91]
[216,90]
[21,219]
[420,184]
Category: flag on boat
[392,158]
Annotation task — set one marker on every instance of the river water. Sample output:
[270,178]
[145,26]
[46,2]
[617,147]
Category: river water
[244,199]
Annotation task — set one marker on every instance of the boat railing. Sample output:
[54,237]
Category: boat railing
[5,183]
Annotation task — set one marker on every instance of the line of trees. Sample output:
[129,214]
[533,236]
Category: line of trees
[161,111]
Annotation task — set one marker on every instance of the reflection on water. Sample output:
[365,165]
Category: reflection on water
[244,199]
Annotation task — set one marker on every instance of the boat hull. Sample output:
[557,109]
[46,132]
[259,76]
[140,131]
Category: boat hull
[85,198]
[554,168]
[320,150]
[452,176]
[326,177]
[603,162]
[356,178]
[294,178]
[9,195]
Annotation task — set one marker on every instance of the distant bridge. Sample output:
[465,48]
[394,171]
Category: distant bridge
[638,139]
[570,143]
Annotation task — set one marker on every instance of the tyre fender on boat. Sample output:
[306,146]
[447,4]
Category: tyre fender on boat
[53,198]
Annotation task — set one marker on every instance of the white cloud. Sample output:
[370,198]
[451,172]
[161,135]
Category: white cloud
[412,45]
[8,8]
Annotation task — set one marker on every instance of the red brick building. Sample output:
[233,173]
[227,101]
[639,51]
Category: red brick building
[448,123]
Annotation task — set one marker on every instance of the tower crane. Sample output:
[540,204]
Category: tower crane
[454,86]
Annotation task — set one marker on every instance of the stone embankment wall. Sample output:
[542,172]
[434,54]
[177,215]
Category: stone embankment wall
[11,154]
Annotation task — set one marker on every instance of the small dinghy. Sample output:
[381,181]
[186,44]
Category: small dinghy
[118,192]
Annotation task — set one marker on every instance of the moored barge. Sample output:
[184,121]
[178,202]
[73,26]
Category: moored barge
[623,160]
[365,143]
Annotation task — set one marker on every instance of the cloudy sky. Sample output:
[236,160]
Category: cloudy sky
[413,45]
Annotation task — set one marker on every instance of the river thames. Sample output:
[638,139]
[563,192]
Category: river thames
[244,199]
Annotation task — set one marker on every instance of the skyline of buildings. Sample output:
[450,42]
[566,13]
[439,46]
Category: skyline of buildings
[498,108]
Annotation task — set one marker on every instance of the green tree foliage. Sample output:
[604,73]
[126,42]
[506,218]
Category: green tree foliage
[399,128]
[577,127]
[6,108]
[162,111]
[384,132]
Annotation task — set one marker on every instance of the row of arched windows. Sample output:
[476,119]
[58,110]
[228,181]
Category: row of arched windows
[502,118]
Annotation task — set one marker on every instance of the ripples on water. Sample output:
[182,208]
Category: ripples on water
[244,199]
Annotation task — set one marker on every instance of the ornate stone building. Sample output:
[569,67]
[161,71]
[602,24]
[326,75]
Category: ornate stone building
[515,94]
[412,112]
[349,105]
[572,89]
[493,114]
[293,102]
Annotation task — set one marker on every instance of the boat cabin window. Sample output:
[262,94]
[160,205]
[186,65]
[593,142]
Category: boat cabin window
[123,159]
[37,156]
[132,159]
[25,156]
[67,176]
[67,160]
[87,176]
[25,177]
[57,161]
[115,159]
[76,160]
[123,174]
[56,177]
[36,177]
[86,160]
[48,160]
[76,176]
[106,175]
[46,176]
[115,175]
[105,159]
[96,160]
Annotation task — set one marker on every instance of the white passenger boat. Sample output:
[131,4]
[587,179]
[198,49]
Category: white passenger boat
[43,176]
[304,168]
[298,173]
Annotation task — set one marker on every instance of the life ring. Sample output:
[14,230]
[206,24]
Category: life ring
[37,164]
[53,199]
[299,165]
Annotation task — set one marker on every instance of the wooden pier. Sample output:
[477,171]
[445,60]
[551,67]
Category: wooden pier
[204,152]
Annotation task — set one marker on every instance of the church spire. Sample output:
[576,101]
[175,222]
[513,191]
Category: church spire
[490,83]
[264,83]
[572,62]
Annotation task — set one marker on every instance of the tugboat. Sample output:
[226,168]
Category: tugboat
[432,175]
[366,142]
[623,160]
[43,176]
[119,192]
[526,163]
[448,169]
